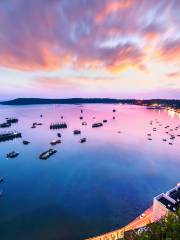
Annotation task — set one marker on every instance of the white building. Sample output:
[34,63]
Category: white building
[165,202]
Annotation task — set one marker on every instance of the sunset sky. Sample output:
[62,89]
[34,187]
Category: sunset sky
[90,48]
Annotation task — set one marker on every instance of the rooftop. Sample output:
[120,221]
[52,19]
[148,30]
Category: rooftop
[171,199]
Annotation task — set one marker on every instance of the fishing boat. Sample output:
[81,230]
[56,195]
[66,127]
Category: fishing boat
[54,142]
[76,132]
[12,154]
[82,140]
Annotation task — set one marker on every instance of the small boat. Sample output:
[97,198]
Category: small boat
[59,134]
[172,137]
[61,117]
[33,126]
[1,179]
[25,142]
[81,118]
[45,155]
[84,123]
[37,124]
[114,110]
[95,125]
[54,142]
[164,140]
[113,117]
[170,143]
[149,134]
[12,154]
[82,140]
[150,139]
[76,132]
[41,115]
[104,121]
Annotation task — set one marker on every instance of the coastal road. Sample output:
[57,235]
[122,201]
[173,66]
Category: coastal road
[140,221]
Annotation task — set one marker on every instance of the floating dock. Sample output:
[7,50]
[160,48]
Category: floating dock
[95,125]
[58,125]
[11,120]
[45,155]
[9,136]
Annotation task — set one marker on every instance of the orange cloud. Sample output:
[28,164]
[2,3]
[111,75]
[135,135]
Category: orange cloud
[44,59]
[111,7]
[170,51]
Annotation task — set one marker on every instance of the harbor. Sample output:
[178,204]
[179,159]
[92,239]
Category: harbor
[75,166]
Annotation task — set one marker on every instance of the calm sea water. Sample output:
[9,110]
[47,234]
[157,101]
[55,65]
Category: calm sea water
[84,189]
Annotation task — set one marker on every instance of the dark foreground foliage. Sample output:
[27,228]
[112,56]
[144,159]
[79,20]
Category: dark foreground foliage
[167,228]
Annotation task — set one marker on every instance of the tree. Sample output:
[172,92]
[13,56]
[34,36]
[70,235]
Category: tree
[168,228]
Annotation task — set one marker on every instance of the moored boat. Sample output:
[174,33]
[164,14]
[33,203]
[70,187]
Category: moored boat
[82,140]
[25,142]
[77,131]
[54,142]
[12,154]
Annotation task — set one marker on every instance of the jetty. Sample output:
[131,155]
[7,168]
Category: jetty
[45,155]
[58,125]
[9,136]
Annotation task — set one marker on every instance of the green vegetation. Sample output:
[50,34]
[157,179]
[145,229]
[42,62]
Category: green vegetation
[167,228]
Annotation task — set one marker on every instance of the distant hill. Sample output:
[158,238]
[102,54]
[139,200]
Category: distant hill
[32,101]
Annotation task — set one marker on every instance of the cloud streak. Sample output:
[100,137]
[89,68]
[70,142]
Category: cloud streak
[49,35]
[122,45]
